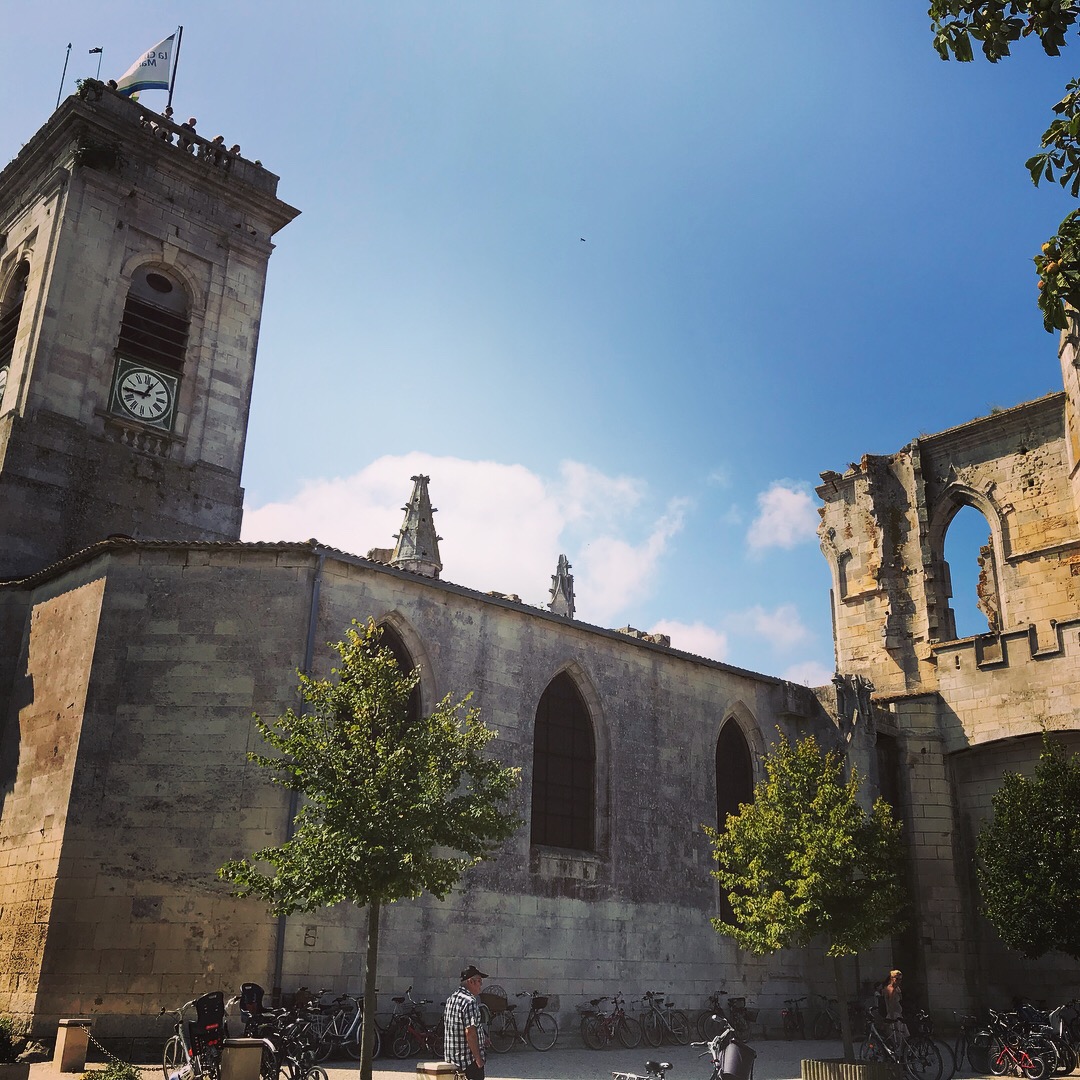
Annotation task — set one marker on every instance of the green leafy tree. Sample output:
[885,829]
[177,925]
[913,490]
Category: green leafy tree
[805,861]
[393,806]
[996,25]
[1029,856]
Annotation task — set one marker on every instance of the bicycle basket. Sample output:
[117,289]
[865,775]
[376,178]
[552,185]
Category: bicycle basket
[495,999]
[540,1002]
[737,1003]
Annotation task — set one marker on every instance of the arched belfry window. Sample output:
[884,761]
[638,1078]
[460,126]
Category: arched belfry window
[564,769]
[150,350]
[10,310]
[734,784]
[392,640]
[154,329]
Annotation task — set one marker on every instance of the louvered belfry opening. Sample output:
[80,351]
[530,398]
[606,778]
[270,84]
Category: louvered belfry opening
[10,311]
[155,325]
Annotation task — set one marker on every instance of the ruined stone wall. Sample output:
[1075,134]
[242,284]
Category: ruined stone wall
[883,530]
[190,641]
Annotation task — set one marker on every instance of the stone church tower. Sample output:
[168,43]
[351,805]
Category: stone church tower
[133,259]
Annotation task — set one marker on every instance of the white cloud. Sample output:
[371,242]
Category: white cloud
[696,638]
[503,526]
[787,516]
[781,628]
[809,673]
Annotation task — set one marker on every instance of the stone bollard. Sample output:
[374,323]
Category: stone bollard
[241,1059]
[71,1040]
[436,1070]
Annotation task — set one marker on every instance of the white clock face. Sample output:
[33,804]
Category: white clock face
[144,395]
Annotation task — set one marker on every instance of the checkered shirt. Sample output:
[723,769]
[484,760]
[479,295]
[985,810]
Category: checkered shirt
[462,1011]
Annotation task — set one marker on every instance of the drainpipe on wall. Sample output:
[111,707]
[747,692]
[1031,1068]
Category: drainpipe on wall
[294,795]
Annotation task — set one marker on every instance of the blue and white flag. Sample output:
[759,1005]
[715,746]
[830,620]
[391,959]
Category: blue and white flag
[150,71]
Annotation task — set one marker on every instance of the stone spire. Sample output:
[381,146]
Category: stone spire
[562,590]
[417,547]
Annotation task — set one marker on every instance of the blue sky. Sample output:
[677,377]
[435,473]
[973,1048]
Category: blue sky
[805,238]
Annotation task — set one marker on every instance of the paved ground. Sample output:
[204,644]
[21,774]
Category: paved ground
[775,1061]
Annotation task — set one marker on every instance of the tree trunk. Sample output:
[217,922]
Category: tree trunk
[370,968]
[845,1014]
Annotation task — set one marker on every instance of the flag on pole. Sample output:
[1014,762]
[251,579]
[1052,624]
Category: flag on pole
[150,71]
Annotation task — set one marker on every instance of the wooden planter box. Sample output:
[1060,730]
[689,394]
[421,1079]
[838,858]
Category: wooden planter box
[839,1069]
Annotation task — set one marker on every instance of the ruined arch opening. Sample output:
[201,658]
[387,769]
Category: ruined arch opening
[564,769]
[972,578]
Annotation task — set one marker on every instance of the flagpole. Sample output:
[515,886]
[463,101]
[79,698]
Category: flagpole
[100,54]
[60,92]
[176,64]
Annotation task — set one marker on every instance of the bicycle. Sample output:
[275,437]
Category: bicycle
[917,1055]
[713,1020]
[599,1030]
[792,1017]
[660,1021]
[1009,1052]
[654,1070]
[826,1023]
[541,1028]
[964,1045]
[731,1058]
[737,1014]
[407,1034]
[194,1049]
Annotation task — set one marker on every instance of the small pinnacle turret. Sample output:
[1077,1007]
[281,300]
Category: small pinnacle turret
[417,547]
[562,589]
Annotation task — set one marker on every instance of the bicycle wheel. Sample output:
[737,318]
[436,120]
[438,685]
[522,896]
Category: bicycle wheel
[544,1030]
[822,1028]
[707,1027]
[1034,1067]
[629,1032]
[174,1057]
[1000,1060]
[352,1045]
[680,1026]
[404,1046]
[978,1053]
[502,1031]
[652,1027]
[922,1059]
[948,1060]
[741,1026]
[592,1034]
[314,1072]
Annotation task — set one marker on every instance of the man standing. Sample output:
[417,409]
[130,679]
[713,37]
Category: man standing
[465,1035]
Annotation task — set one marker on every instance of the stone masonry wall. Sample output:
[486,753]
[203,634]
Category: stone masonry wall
[39,744]
[192,640]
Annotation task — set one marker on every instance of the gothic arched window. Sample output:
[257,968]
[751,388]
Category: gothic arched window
[734,784]
[392,640]
[564,769]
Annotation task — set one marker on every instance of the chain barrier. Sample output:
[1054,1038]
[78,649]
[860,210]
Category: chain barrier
[108,1053]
